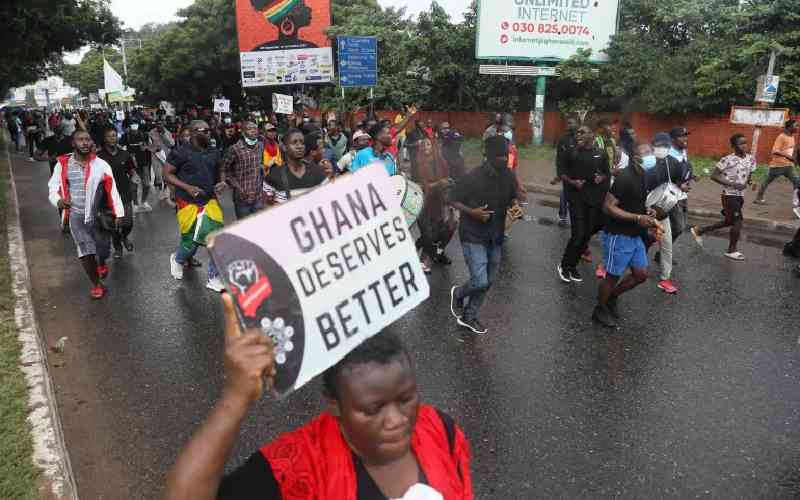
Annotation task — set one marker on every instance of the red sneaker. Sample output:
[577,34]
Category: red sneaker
[102,271]
[600,272]
[668,286]
[587,256]
[98,292]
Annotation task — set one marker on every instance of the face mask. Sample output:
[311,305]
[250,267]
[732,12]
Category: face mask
[509,135]
[648,162]
[661,152]
[134,126]
[250,142]
[227,120]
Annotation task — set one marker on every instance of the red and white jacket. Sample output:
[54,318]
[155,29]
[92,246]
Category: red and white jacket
[97,175]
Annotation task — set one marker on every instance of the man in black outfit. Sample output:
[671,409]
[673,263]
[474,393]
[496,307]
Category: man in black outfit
[566,145]
[123,165]
[586,177]
[54,146]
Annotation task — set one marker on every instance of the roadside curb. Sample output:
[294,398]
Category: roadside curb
[49,449]
[782,227]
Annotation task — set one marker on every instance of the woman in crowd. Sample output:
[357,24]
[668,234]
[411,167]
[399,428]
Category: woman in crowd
[376,440]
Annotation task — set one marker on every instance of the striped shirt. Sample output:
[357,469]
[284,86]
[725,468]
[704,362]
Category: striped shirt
[77,186]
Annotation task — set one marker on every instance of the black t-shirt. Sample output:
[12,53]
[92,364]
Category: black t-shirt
[196,167]
[584,164]
[255,479]
[121,163]
[136,142]
[485,185]
[566,146]
[285,185]
[56,147]
[629,188]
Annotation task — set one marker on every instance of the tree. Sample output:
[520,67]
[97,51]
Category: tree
[37,33]
[579,85]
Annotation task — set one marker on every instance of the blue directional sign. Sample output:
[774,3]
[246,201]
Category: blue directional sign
[358,61]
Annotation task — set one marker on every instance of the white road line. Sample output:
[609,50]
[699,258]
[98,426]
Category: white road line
[49,450]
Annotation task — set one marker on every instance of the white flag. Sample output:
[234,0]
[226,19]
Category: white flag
[113,81]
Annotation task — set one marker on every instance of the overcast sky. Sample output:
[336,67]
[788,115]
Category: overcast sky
[136,13]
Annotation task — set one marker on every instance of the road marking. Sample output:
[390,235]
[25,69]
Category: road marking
[49,450]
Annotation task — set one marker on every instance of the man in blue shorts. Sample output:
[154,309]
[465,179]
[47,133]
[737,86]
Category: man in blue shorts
[623,247]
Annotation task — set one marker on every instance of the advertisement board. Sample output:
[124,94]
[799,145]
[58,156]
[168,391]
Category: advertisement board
[544,29]
[283,42]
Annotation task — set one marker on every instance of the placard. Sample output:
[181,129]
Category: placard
[344,268]
[222,106]
[762,117]
[120,115]
[283,42]
[282,104]
[544,29]
[767,88]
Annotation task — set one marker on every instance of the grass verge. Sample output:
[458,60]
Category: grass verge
[18,474]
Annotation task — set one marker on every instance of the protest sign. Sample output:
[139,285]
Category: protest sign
[119,115]
[544,29]
[282,104]
[283,42]
[222,106]
[323,273]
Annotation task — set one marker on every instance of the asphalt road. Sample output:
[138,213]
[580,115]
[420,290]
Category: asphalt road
[695,396]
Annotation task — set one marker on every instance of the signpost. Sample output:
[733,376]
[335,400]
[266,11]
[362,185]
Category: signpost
[543,32]
[358,61]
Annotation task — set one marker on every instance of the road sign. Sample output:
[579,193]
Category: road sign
[504,69]
[760,117]
[358,61]
[767,90]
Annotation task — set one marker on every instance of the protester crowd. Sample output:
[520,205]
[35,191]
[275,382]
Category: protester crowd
[631,192]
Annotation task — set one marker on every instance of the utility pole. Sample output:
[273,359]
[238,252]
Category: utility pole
[125,56]
[760,104]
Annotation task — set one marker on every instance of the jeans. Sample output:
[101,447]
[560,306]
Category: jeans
[483,262]
[242,210]
[585,220]
[182,256]
[774,173]
[563,206]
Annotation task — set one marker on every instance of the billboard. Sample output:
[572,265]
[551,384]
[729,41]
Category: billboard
[544,29]
[283,42]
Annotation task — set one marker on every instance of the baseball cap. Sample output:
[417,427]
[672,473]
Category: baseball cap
[678,132]
[269,126]
[359,134]
[662,139]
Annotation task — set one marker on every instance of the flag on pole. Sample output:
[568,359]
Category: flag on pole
[113,81]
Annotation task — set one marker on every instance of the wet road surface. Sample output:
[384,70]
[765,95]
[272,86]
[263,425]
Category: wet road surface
[695,396]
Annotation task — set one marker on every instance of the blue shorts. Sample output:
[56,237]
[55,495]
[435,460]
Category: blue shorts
[622,251]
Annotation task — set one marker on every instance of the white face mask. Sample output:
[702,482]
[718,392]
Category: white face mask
[250,142]
[661,152]
[227,120]
[134,126]
[509,135]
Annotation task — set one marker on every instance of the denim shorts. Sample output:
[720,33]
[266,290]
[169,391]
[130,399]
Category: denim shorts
[83,234]
[622,251]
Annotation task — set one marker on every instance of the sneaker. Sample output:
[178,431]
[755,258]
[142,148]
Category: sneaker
[603,316]
[146,207]
[474,325]
[175,268]
[127,244]
[456,305]
[139,209]
[600,273]
[102,271]
[796,211]
[30,158]
[668,286]
[215,284]
[696,234]
[117,254]
[575,276]
[760,201]
[563,274]
[737,256]
[97,292]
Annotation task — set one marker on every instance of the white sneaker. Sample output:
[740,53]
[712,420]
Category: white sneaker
[137,209]
[146,207]
[796,211]
[215,284]
[175,268]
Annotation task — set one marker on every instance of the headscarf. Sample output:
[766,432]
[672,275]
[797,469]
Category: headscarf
[278,9]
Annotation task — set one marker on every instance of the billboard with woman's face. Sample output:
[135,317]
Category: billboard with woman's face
[283,42]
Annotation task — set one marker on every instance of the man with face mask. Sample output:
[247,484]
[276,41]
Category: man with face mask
[244,171]
[135,142]
[483,196]
[195,171]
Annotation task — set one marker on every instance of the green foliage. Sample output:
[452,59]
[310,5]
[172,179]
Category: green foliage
[36,33]
[578,80]
[87,76]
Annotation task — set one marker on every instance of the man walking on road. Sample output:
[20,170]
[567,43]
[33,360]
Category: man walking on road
[81,185]
[244,171]
[123,165]
[782,162]
[623,246]
[586,179]
[566,145]
[483,196]
[733,172]
[194,170]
